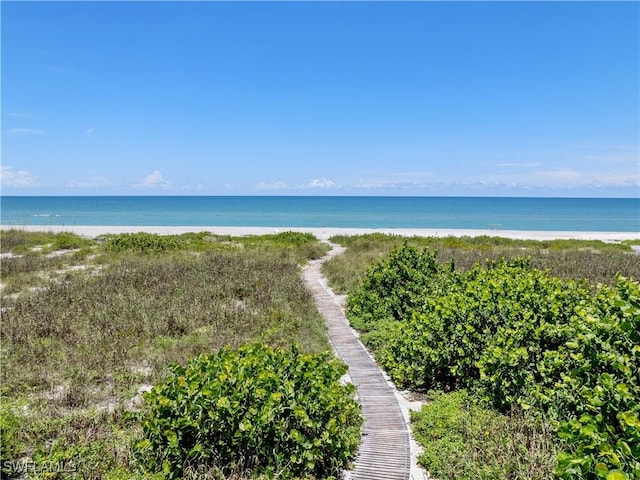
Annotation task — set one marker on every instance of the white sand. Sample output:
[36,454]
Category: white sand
[325,233]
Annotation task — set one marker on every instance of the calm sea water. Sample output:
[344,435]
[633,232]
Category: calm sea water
[546,214]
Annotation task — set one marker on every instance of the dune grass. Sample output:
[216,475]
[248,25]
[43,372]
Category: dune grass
[77,351]
[594,260]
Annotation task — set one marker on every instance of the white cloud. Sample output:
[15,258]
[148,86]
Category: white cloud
[571,178]
[370,183]
[92,182]
[90,131]
[602,146]
[24,131]
[193,188]
[152,180]
[613,180]
[321,183]
[16,178]
[413,179]
[518,165]
[19,115]
[567,178]
[275,185]
[563,176]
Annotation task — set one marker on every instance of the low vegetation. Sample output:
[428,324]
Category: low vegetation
[596,261]
[466,441]
[21,241]
[555,357]
[114,349]
[276,412]
[81,346]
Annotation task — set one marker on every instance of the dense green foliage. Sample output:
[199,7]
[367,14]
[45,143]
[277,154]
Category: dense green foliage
[517,336]
[598,401]
[257,409]
[393,288]
[456,329]
[465,441]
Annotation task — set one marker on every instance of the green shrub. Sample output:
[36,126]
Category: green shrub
[596,261]
[394,288]
[291,238]
[581,365]
[597,394]
[21,241]
[442,346]
[67,240]
[143,242]
[517,336]
[257,409]
[537,312]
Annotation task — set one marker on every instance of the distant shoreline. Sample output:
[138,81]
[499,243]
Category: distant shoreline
[326,233]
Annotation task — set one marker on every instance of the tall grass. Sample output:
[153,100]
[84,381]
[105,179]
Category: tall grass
[465,441]
[596,261]
[74,355]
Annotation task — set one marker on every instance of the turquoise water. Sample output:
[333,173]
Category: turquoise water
[546,214]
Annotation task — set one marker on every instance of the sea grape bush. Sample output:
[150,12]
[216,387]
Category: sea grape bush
[456,330]
[598,400]
[394,288]
[541,309]
[519,337]
[580,366]
[261,410]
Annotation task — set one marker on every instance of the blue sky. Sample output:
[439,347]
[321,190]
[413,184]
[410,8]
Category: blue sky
[321,98]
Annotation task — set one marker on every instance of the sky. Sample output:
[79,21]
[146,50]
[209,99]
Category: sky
[321,98]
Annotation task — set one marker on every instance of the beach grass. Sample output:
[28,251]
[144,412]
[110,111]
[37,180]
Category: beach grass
[77,350]
[88,324]
[593,260]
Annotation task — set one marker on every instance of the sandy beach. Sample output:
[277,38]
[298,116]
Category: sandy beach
[326,233]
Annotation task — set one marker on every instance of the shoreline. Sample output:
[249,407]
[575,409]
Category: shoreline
[326,233]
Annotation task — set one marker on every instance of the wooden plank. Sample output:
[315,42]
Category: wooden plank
[384,451]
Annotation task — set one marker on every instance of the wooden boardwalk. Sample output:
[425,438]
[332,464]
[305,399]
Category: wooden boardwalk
[384,452]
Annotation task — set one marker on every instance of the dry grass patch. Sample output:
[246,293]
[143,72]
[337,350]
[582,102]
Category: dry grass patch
[75,355]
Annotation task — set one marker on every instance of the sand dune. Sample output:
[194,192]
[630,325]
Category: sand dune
[325,233]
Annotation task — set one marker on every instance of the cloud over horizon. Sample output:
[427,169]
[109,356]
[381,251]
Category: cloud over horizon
[153,180]
[92,182]
[321,183]
[274,185]
[24,131]
[16,178]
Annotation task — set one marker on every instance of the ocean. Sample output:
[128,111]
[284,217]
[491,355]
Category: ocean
[543,214]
